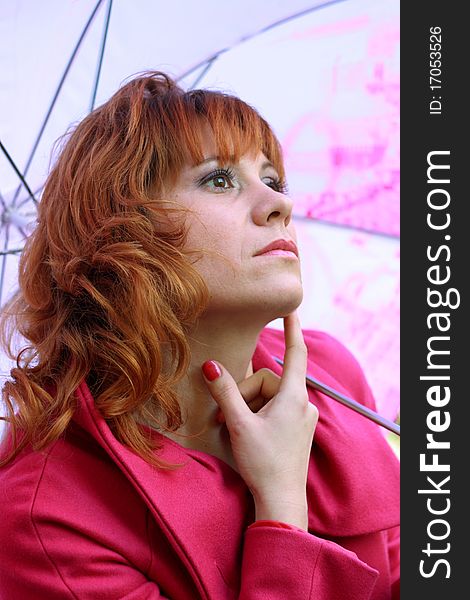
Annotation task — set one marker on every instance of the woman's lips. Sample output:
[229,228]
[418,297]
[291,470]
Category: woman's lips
[280,246]
[286,253]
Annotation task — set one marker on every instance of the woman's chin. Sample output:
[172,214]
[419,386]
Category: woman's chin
[287,307]
[260,306]
[280,301]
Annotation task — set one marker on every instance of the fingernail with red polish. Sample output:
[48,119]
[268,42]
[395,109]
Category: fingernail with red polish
[219,417]
[211,370]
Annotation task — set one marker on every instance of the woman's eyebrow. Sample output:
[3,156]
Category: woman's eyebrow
[211,159]
[267,164]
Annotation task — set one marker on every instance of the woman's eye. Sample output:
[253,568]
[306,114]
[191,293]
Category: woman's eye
[222,179]
[277,185]
[225,179]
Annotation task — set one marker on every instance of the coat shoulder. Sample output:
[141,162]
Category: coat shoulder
[69,493]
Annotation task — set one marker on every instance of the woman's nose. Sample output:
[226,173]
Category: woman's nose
[271,207]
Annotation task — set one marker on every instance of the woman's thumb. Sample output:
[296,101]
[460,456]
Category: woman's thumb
[224,390]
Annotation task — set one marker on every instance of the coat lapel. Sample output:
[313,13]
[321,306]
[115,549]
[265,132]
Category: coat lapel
[200,507]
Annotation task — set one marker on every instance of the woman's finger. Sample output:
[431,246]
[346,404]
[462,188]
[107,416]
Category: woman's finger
[257,390]
[295,355]
[254,405]
[263,383]
[224,390]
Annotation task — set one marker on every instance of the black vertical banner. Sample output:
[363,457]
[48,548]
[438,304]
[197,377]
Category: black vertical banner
[435,362]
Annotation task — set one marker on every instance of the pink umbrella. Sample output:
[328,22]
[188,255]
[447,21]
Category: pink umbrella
[324,74]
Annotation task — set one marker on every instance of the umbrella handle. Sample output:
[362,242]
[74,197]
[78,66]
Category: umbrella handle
[349,402]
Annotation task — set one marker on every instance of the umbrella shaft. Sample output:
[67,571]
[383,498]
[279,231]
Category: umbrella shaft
[349,402]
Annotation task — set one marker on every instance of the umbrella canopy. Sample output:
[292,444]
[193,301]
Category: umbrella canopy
[324,74]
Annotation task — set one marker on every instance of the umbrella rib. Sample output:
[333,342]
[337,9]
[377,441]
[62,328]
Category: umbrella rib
[252,35]
[209,64]
[36,192]
[4,260]
[297,15]
[100,63]
[57,92]
[312,220]
[18,172]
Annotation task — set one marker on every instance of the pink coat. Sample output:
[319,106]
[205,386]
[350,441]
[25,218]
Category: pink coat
[89,519]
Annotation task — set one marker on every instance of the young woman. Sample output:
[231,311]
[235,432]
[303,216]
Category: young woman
[155,449]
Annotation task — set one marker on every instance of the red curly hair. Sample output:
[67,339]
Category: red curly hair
[106,288]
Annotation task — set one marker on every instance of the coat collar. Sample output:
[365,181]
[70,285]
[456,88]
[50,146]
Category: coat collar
[192,516]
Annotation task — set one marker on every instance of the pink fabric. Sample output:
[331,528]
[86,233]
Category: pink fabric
[87,518]
[278,524]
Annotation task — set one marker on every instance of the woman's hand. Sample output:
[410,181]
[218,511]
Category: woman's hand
[257,390]
[271,447]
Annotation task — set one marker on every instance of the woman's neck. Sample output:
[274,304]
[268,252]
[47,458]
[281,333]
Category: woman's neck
[229,341]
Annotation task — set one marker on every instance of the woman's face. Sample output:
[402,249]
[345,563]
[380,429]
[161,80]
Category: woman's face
[237,211]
